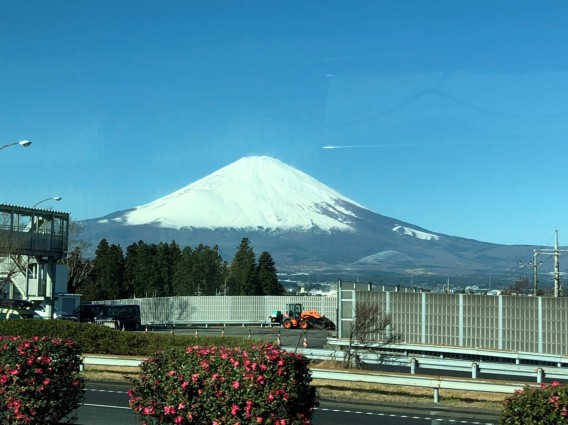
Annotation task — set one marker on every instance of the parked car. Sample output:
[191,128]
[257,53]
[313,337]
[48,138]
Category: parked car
[85,312]
[121,316]
[17,309]
[41,310]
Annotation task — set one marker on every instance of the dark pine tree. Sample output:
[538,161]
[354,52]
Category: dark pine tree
[164,264]
[109,264]
[243,278]
[183,279]
[267,275]
[130,270]
[146,281]
[199,271]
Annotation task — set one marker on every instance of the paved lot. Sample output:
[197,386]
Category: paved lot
[289,338]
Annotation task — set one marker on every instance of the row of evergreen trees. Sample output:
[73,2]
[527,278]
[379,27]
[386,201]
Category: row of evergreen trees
[159,270]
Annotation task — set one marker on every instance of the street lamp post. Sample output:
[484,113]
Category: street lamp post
[50,266]
[24,143]
[53,198]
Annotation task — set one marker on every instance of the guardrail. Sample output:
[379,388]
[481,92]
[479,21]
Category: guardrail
[512,363]
[446,351]
[435,383]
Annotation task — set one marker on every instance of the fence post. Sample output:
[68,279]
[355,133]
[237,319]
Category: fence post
[539,375]
[413,364]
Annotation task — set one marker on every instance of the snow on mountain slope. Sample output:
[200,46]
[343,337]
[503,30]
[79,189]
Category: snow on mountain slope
[256,192]
[418,234]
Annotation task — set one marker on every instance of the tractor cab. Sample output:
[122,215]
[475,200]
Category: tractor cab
[294,311]
[289,318]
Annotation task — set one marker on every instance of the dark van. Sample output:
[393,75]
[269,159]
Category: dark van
[86,312]
[124,316]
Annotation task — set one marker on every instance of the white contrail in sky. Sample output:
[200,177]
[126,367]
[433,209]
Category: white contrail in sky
[404,144]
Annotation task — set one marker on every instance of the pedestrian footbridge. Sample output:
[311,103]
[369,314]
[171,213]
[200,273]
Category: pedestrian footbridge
[32,240]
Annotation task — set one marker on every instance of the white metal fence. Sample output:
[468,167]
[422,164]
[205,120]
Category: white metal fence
[223,310]
[509,323]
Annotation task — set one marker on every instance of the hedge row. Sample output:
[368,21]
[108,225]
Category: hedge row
[96,339]
[40,380]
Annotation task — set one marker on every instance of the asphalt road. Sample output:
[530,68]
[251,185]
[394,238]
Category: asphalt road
[106,403]
[289,338]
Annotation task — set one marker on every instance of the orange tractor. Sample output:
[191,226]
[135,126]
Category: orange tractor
[295,317]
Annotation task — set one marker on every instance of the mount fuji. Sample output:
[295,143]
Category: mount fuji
[303,223]
[252,193]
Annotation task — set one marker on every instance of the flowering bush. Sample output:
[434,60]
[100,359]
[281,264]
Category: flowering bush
[532,405]
[223,385]
[39,380]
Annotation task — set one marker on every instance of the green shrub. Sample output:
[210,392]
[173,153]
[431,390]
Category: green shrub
[96,339]
[39,380]
[220,385]
[532,405]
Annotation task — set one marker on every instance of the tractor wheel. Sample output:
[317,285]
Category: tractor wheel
[304,324]
[288,324]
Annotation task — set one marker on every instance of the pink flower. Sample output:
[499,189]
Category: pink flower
[236,385]
[171,372]
[235,409]
[169,410]
[555,384]
[148,410]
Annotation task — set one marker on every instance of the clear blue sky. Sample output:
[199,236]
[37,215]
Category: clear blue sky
[453,114]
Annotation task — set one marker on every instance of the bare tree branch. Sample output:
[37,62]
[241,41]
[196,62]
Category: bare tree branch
[79,269]
[370,326]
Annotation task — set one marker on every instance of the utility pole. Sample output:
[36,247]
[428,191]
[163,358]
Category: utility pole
[556,253]
[535,272]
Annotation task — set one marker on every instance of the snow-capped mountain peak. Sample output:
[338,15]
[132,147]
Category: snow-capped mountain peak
[256,192]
